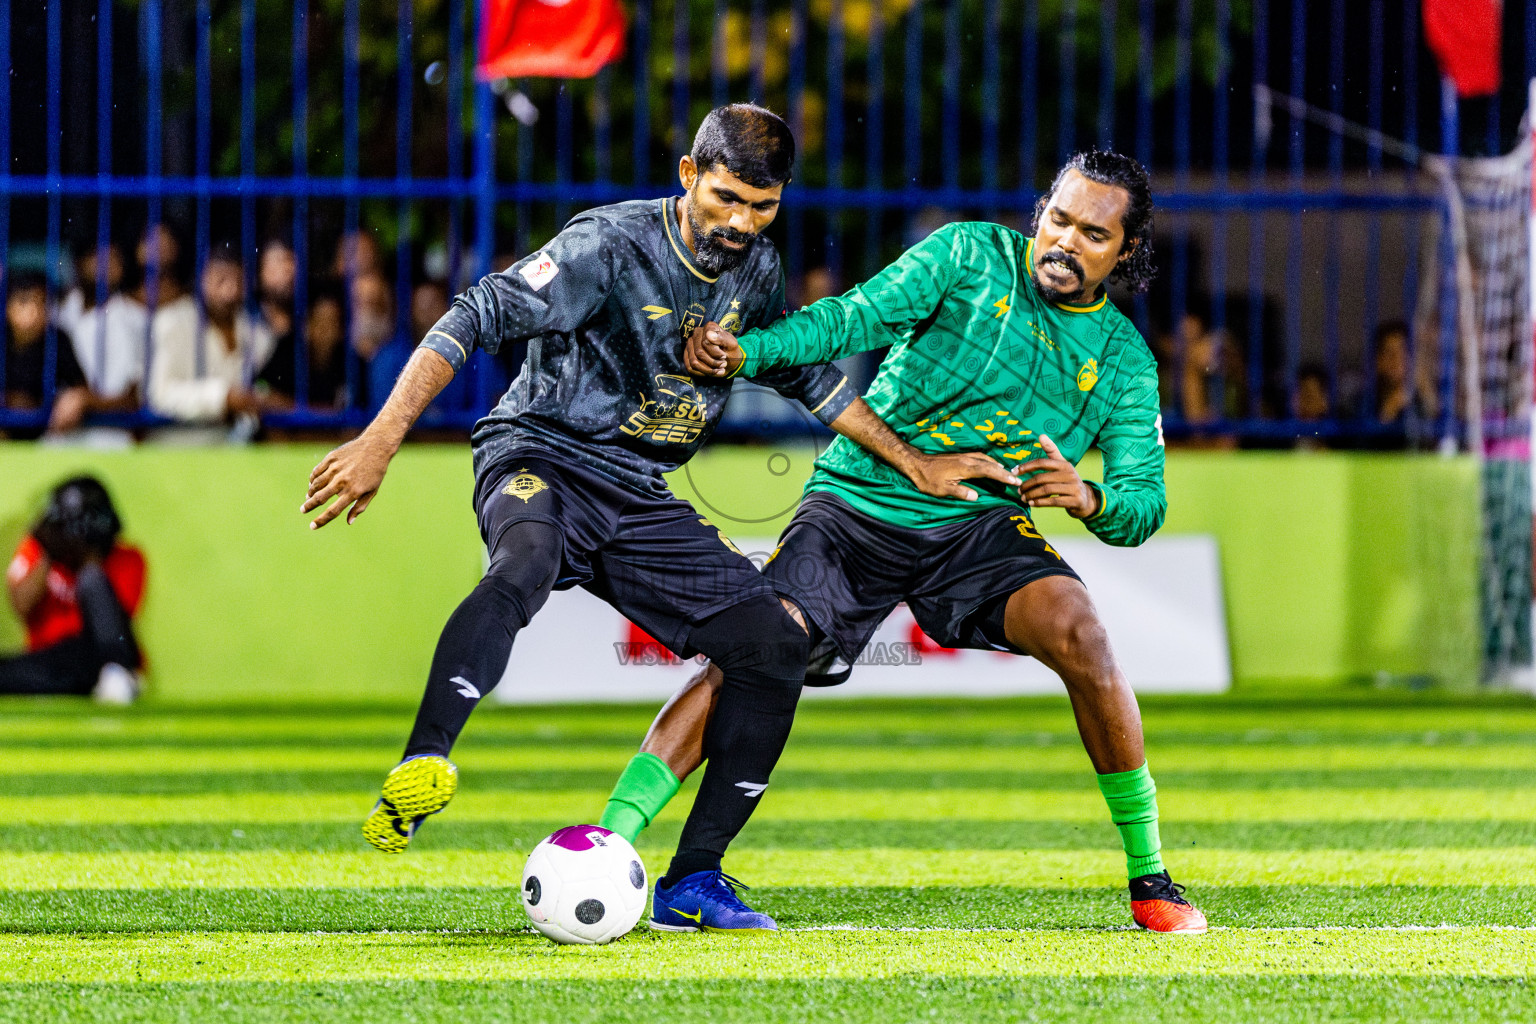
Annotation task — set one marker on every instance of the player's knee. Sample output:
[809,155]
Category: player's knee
[758,641]
[525,564]
[1079,648]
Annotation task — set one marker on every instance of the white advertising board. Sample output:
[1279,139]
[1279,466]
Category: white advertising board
[1161,602]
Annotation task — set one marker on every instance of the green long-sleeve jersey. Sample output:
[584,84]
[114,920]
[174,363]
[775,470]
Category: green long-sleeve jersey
[980,361]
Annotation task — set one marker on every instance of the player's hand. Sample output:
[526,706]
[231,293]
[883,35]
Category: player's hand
[941,476]
[712,351]
[241,402]
[351,474]
[1052,482]
[69,409]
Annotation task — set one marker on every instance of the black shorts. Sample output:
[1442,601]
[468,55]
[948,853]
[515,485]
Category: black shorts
[661,564]
[847,571]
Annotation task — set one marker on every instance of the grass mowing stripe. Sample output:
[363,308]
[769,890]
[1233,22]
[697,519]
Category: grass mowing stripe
[1034,868]
[861,723]
[258,956]
[387,741]
[453,834]
[489,908]
[601,778]
[1082,804]
[473,760]
[1260,998]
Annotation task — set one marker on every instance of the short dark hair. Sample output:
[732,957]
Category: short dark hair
[1317,371]
[81,509]
[1387,328]
[87,248]
[18,281]
[751,142]
[223,252]
[327,291]
[1108,167]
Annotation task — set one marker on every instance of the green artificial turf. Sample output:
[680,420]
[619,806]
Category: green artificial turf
[1361,856]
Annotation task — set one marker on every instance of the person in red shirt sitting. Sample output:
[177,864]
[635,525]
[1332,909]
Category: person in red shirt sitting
[77,589]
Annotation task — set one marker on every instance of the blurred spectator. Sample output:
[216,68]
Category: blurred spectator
[1211,388]
[203,363]
[372,329]
[385,361]
[373,314]
[1312,404]
[325,338]
[26,319]
[77,588]
[275,276]
[357,254]
[1402,409]
[819,282]
[108,339]
[429,304]
[429,301]
[160,263]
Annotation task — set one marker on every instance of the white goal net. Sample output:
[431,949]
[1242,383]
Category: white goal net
[1481,291]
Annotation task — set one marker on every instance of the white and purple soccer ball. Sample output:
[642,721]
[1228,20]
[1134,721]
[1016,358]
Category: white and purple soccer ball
[584,884]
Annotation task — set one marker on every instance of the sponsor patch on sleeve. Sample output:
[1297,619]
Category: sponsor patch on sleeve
[540,270]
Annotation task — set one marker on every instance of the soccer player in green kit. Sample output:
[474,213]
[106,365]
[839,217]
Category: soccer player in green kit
[1001,344]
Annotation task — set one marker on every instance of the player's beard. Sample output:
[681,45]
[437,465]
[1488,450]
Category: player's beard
[712,256]
[1066,262]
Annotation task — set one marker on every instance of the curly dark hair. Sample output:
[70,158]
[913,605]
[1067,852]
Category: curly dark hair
[1108,167]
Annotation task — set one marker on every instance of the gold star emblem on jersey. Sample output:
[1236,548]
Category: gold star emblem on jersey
[525,485]
[1001,305]
[1088,376]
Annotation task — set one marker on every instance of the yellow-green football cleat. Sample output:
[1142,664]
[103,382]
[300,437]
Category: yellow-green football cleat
[413,789]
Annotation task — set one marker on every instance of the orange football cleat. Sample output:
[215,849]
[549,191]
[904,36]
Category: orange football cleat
[1158,905]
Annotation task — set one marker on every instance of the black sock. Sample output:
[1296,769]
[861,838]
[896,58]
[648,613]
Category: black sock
[762,652]
[105,620]
[475,645]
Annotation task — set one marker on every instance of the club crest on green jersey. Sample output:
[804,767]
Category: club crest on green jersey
[1088,376]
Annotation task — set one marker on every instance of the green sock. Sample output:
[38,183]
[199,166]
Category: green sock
[1132,800]
[640,794]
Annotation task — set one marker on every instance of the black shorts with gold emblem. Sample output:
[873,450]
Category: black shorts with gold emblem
[658,561]
[847,571]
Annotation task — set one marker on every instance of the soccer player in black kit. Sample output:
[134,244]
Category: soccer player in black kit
[569,486]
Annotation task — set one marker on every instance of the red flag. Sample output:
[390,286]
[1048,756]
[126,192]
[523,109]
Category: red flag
[1465,37]
[550,38]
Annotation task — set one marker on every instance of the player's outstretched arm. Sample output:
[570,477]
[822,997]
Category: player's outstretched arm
[941,476]
[352,473]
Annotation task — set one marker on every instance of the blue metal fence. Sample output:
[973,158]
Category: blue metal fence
[1284,243]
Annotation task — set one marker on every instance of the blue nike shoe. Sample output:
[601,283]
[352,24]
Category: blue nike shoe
[706,901]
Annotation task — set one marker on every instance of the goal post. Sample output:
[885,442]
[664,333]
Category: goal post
[1487,312]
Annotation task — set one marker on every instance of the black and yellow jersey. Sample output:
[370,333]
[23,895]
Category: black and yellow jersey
[606,307]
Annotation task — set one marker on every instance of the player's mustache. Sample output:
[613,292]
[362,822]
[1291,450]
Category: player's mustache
[731,235]
[1064,260]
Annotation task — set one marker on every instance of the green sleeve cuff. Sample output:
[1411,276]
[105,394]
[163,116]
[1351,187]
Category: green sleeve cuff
[748,366]
[1103,500]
